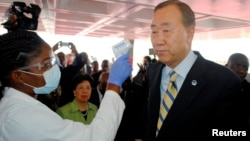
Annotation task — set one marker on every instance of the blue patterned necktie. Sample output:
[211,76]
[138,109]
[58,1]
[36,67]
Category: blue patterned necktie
[168,100]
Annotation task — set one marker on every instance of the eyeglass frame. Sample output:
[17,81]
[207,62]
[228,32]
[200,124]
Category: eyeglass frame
[40,66]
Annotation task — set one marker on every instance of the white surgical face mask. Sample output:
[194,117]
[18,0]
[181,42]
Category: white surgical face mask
[51,77]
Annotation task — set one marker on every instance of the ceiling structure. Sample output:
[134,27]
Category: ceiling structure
[131,19]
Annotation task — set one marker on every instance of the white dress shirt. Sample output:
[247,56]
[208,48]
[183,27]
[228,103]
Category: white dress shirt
[23,118]
[187,63]
[100,95]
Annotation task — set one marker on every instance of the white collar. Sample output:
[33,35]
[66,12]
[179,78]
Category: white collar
[10,92]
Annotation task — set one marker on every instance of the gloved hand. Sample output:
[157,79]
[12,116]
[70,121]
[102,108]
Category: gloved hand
[120,70]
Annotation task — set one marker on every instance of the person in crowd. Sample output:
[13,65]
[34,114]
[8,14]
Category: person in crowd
[62,59]
[188,95]
[79,66]
[99,91]
[80,109]
[70,58]
[154,60]
[28,69]
[86,68]
[140,78]
[95,67]
[104,68]
[126,88]
[145,63]
[239,64]
[66,59]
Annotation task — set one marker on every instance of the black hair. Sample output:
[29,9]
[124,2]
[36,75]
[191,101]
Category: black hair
[148,58]
[236,56]
[105,62]
[17,49]
[78,61]
[188,16]
[79,77]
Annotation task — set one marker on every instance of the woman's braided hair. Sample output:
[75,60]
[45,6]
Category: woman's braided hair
[17,48]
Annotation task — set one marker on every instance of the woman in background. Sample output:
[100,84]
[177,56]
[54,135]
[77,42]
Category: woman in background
[80,109]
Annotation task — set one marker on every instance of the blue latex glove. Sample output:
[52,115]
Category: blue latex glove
[120,70]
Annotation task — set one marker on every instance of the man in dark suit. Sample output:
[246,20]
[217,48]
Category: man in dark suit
[98,92]
[208,94]
[104,68]
[239,64]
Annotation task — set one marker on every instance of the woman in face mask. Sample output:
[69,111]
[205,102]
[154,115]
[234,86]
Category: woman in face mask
[27,69]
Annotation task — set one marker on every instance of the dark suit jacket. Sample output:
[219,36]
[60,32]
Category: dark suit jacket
[212,103]
[94,98]
[96,78]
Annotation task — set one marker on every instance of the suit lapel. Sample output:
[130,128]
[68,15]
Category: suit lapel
[154,74]
[192,85]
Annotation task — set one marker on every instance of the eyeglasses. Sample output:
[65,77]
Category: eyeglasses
[47,64]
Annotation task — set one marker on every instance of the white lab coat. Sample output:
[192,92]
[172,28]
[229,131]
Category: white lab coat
[23,118]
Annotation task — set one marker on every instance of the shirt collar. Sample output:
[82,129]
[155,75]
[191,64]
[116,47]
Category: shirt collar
[187,63]
[75,108]
[10,92]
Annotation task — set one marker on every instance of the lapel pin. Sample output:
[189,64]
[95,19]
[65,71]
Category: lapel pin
[194,82]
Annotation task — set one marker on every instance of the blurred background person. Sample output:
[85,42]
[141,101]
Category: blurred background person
[95,67]
[80,109]
[239,64]
[66,59]
[104,68]
[86,68]
[78,66]
[62,59]
[99,91]
[140,78]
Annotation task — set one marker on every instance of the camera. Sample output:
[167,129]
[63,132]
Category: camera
[16,17]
